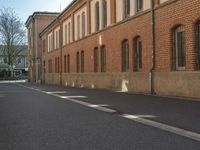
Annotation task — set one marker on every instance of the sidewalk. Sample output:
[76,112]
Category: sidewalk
[184,114]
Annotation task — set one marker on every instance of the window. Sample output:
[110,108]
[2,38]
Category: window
[82,61]
[56,38]
[83,24]
[103,59]
[43,45]
[78,27]
[50,66]
[50,42]
[56,65]
[65,34]
[179,48]
[96,59]
[69,32]
[68,63]
[139,5]
[126,8]
[5,60]
[19,60]
[97,16]
[65,64]
[1,60]
[125,56]
[77,62]
[138,54]
[197,31]
[104,13]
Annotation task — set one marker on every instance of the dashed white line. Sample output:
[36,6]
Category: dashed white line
[57,92]
[73,99]
[178,131]
[140,119]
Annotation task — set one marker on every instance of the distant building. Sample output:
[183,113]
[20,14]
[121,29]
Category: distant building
[35,24]
[21,63]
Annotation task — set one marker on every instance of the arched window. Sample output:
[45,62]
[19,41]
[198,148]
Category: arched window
[104,13]
[125,56]
[137,54]
[82,61]
[126,8]
[83,24]
[68,63]
[77,62]
[97,16]
[56,65]
[178,55]
[197,34]
[103,59]
[65,64]
[96,59]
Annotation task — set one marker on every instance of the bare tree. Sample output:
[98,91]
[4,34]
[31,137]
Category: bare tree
[12,36]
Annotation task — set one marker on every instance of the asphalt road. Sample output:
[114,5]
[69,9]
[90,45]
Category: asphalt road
[41,117]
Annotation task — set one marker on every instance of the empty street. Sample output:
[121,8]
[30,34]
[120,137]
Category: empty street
[42,117]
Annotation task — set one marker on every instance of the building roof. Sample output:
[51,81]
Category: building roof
[66,9]
[40,13]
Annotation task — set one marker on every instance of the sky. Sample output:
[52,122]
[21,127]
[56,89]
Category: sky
[25,8]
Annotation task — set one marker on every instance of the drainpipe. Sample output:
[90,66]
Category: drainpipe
[152,71]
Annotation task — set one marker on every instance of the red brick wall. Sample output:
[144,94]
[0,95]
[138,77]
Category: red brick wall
[181,12]
[112,39]
[167,16]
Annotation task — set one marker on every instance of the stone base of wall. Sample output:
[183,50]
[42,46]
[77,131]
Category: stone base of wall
[137,82]
[53,78]
[186,84]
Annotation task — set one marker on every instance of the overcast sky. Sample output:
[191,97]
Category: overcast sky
[24,8]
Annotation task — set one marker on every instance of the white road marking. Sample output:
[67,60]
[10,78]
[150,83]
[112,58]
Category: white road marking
[57,92]
[14,81]
[136,118]
[67,97]
[98,107]
[72,98]
[178,131]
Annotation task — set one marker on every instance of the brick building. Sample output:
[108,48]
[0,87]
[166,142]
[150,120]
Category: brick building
[126,45]
[35,24]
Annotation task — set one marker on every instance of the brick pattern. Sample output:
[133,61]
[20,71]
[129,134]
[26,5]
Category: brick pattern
[180,12]
[168,15]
